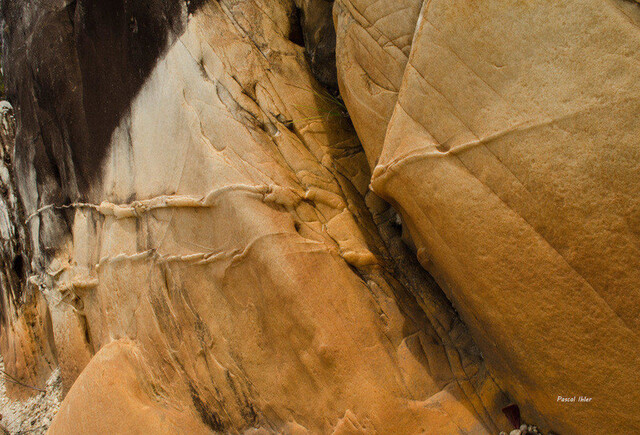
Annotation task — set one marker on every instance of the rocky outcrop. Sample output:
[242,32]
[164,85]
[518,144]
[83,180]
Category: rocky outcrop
[506,137]
[26,335]
[205,247]
[225,265]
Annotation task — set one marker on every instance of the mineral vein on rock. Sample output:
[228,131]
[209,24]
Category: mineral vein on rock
[204,236]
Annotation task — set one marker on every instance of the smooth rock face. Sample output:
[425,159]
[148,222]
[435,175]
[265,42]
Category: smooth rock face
[374,42]
[116,393]
[513,156]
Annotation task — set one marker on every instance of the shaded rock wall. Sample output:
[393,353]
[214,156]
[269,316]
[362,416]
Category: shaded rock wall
[26,335]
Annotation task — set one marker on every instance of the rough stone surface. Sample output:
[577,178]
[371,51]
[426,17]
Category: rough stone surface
[34,414]
[225,265]
[26,336]
[205,248]
[512,155]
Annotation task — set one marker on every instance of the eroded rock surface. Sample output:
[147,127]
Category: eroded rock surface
[510,147]
[226,265]
[203,251]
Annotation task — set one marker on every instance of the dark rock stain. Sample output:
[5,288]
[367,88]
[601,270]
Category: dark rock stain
[72,72]
[72,69]
[16,249]
[117,44]
[319,36]
[209,418]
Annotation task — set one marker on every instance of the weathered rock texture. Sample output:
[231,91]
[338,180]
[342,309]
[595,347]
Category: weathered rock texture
[506,134]
[202,250]
[26,336]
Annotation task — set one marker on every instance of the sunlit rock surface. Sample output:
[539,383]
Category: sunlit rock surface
[203,243]
[506,135]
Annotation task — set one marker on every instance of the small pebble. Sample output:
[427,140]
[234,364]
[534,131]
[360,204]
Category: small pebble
[523,428]
[515,432]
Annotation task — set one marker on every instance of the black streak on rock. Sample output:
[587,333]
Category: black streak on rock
[72,72]
[15,249]
[72,69]
[211,419]
[118,43]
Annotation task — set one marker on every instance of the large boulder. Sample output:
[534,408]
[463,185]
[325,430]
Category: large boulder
[506,135]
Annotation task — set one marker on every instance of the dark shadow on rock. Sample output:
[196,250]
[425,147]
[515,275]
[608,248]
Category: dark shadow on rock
[319,34]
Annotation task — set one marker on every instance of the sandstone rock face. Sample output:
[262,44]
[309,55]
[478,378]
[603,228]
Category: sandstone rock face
[116,392]
[205,248]
[220,265]
[510,147]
